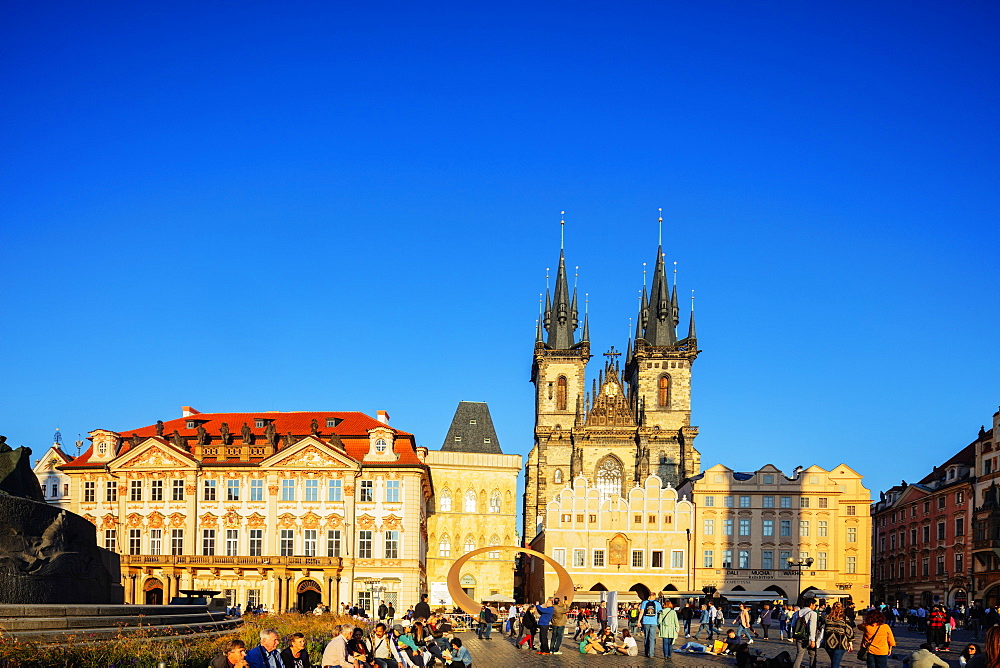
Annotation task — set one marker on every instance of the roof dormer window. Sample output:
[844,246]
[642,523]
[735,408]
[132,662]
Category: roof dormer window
[472,422]
[190,424]
[259,423]
[331,423]
[458,438]
[487,440]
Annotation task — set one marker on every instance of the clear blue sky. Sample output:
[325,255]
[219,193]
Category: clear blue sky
[342,206]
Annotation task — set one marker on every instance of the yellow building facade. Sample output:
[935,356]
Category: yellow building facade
[750,524]
[475,505]
[286,510]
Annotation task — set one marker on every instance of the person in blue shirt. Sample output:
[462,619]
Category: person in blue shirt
[265,655]
[460,657]
[650,613]
[544,620]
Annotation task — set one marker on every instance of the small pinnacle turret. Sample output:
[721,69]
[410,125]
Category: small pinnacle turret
[660,327]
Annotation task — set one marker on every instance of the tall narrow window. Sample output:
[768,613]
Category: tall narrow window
[312,490]
[561,393]
[155,541]
[134,541]
[232,542]
[335,490]
[609,478]
[392,488]
[444,501]
[156,490]
[208,542]
[664,391]
[256,544]
[286,543]
[309,541]
[391,545]
[495,502]
[365,544]
[256,490]
[176,542]
[470,501]
[333,543]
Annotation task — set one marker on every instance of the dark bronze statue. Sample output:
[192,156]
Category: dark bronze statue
[16,476]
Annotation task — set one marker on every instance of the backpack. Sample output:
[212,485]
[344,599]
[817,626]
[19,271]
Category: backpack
[490,617]
[801,630]
[650,611]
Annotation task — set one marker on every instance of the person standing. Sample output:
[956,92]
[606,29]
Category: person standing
[390,615]
[743,624]
[766,619]
[383,611]
[265,655]
[602,616]
[545,613]
[878,639]
[667,627]
[528,627]
[511,620]
[558,624]
[935,628]
[686,615]
[422,610]
[650,615]
[807,645]
[705,622]
[838,635]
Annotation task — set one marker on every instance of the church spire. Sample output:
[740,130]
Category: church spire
[660,328]
[560,311]
[692,336]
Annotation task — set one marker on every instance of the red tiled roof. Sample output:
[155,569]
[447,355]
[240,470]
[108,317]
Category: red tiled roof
[352,429]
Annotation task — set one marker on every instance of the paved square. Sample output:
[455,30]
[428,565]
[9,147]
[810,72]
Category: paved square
[500,651]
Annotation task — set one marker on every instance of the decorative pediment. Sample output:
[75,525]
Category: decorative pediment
[256,521]
[334,520]
[208,520]
[366,521]
[90,518]
[177,520]
[109,521]
[286,521]
[154,453]
[392,523]
[310,520]
[155,520]
[308,453]
[134,519]
[231,519]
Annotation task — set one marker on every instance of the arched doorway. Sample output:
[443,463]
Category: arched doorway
[990,597]
[153,589]
[641,590]
[309,595]
[598,587]
[778,591]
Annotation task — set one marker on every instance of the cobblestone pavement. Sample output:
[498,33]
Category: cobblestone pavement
[501,651]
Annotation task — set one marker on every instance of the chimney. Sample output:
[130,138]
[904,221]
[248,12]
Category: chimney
[187,410]
[382,417]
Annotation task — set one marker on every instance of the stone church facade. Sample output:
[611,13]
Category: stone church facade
[632,427]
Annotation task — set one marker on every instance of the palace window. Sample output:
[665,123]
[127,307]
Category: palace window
[769,502]
[579,558]
[744,527]
[727,501]
[851,565]
[177,542]
[676,558]
[786,502]
[785,528]
[663,391]
[803,528]
[155,541]
[709,527]
[287,490]
[310,538]
[852,510]
[256,543]
[744,559]
[176,490]
[232,542]
[333,543]
[559,554]
[156,490]
[286,543]
[727,558]
[823,528]
[110,491]
[88,492]
[959,526]
[708,559]
[767,559]
[821,561]
[744,501]
[208,542]
[783,558]
[134,541]
[852,534]
[804,502]
[334,490]
[232,490]
[709,501]
[364,544]
[824,502]
[392,489]
[598,558]
[111,540]
[367,491]
[561,393]
[312,490]
[727,527]
[381,445]
[940,531]
[656,559]
[768,527]
[209,490]
[609,478]
[391,545]
[637,558]
[768,478]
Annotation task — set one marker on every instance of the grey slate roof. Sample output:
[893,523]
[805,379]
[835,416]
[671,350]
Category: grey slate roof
[472,430]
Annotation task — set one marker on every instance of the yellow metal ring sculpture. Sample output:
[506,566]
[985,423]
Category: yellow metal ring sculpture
[464,601]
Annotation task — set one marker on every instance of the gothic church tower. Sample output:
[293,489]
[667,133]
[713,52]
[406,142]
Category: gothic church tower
[630,424]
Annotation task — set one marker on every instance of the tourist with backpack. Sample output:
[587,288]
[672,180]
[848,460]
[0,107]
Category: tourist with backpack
[650,616]
[806,633]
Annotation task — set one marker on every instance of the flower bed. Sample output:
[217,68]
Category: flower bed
[177,652]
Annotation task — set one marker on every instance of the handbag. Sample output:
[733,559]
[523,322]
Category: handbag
[863,652]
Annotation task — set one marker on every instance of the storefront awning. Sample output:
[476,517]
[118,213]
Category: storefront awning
[820,593]
[739,595]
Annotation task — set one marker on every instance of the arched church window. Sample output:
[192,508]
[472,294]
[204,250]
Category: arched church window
[609,477]
[495,503]
[444,547]
[444,501]
[470,501]
[470,543]
[557,478]
[664,390]
[561,393]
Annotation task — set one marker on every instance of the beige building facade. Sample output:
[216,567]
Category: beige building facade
[750,524]
[474,506]
[281,509]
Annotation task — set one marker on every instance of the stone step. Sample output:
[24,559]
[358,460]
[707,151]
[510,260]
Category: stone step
[14,610]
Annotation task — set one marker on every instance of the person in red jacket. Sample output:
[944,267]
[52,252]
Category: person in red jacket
[935,629]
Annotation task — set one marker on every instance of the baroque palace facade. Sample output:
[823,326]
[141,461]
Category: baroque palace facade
[283,509]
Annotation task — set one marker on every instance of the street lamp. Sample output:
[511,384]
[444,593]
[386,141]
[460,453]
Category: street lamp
[799,566]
